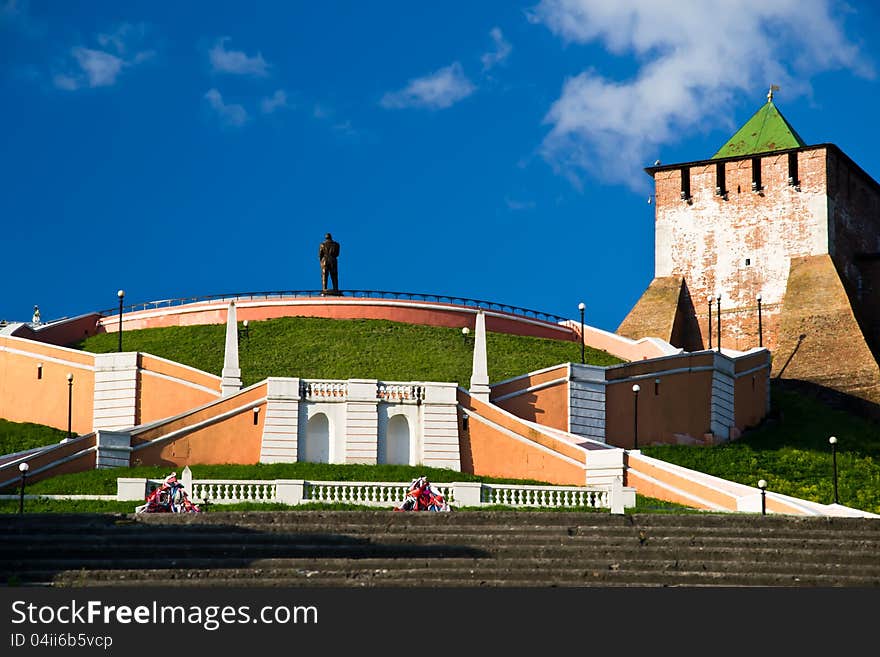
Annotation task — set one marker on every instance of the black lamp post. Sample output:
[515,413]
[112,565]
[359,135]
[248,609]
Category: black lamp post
[718,299]
[710,321]
[464,334]
[636,389]
[244,331]
[763,486]
[121,295]
[760,328]
[22,468]
[581,307]
[833,441]
[69,404]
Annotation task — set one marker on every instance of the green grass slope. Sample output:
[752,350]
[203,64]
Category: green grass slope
[316,348]
[19,436]
[790,450]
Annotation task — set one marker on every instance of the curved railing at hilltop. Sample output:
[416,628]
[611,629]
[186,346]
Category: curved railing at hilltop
[356,294]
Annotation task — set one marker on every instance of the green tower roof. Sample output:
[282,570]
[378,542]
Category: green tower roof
[766,131]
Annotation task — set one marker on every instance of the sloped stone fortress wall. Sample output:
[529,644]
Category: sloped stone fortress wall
[737,228]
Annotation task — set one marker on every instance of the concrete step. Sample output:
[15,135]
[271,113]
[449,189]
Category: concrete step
[266,520]
[382,548]
[728,561]
[504,546]
[501,576]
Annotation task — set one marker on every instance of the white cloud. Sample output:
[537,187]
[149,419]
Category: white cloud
[118,39]
[437,90]
[101,68]
[65,82]
[230,114]
[276,101]
[236,61]
[517,206]
[694,61]
[501,52]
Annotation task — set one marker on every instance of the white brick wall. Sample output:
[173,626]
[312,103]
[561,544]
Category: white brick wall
[587,401]
[115,405]
[280,426]
[440,448]
[722,418]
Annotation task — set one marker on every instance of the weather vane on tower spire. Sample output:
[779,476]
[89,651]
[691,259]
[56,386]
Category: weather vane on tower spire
[773,87]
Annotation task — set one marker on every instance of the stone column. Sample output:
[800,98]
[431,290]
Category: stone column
[114,449]
[361,422]
[231,373]
[440,446]
[722,411]
[131,489]
[281,424]
[603,466]
[480,371]
[289,491]
[467,493]
[116,377]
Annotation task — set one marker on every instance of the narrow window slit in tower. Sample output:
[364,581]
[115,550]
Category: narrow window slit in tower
[720,181]
[793,179]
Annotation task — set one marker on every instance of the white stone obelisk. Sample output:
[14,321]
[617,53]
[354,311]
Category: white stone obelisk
[231,375]
[480,372]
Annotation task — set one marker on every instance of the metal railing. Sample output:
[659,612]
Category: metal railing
[354,294]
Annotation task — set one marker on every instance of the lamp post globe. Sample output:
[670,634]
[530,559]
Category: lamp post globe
[69,405]
[22,468]
[760,327]
[833,441]
[711,300]
[581,307]
[121,295]
[636,388]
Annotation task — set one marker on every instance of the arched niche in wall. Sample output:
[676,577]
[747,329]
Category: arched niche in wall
[314,446]
[394,446]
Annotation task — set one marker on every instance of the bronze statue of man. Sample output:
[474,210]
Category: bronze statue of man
[327,254]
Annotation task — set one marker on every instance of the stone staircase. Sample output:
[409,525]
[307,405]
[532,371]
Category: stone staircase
[458,549]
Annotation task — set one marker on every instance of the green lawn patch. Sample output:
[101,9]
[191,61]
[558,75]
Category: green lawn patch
[316,348]
[103,482]
[19,436]
[790,451]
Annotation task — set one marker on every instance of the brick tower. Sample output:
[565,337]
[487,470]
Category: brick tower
[788,236]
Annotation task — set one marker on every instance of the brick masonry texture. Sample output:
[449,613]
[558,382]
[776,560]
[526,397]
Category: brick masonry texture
[806,239]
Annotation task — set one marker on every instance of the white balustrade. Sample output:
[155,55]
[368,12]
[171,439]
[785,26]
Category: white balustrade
[392,494]
[398,392]
[545,496]
[324,390]
[228,491]
[367,493]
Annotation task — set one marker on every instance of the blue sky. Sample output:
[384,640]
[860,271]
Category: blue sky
[491,150]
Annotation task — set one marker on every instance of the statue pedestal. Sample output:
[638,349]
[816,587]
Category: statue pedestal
[331,293]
